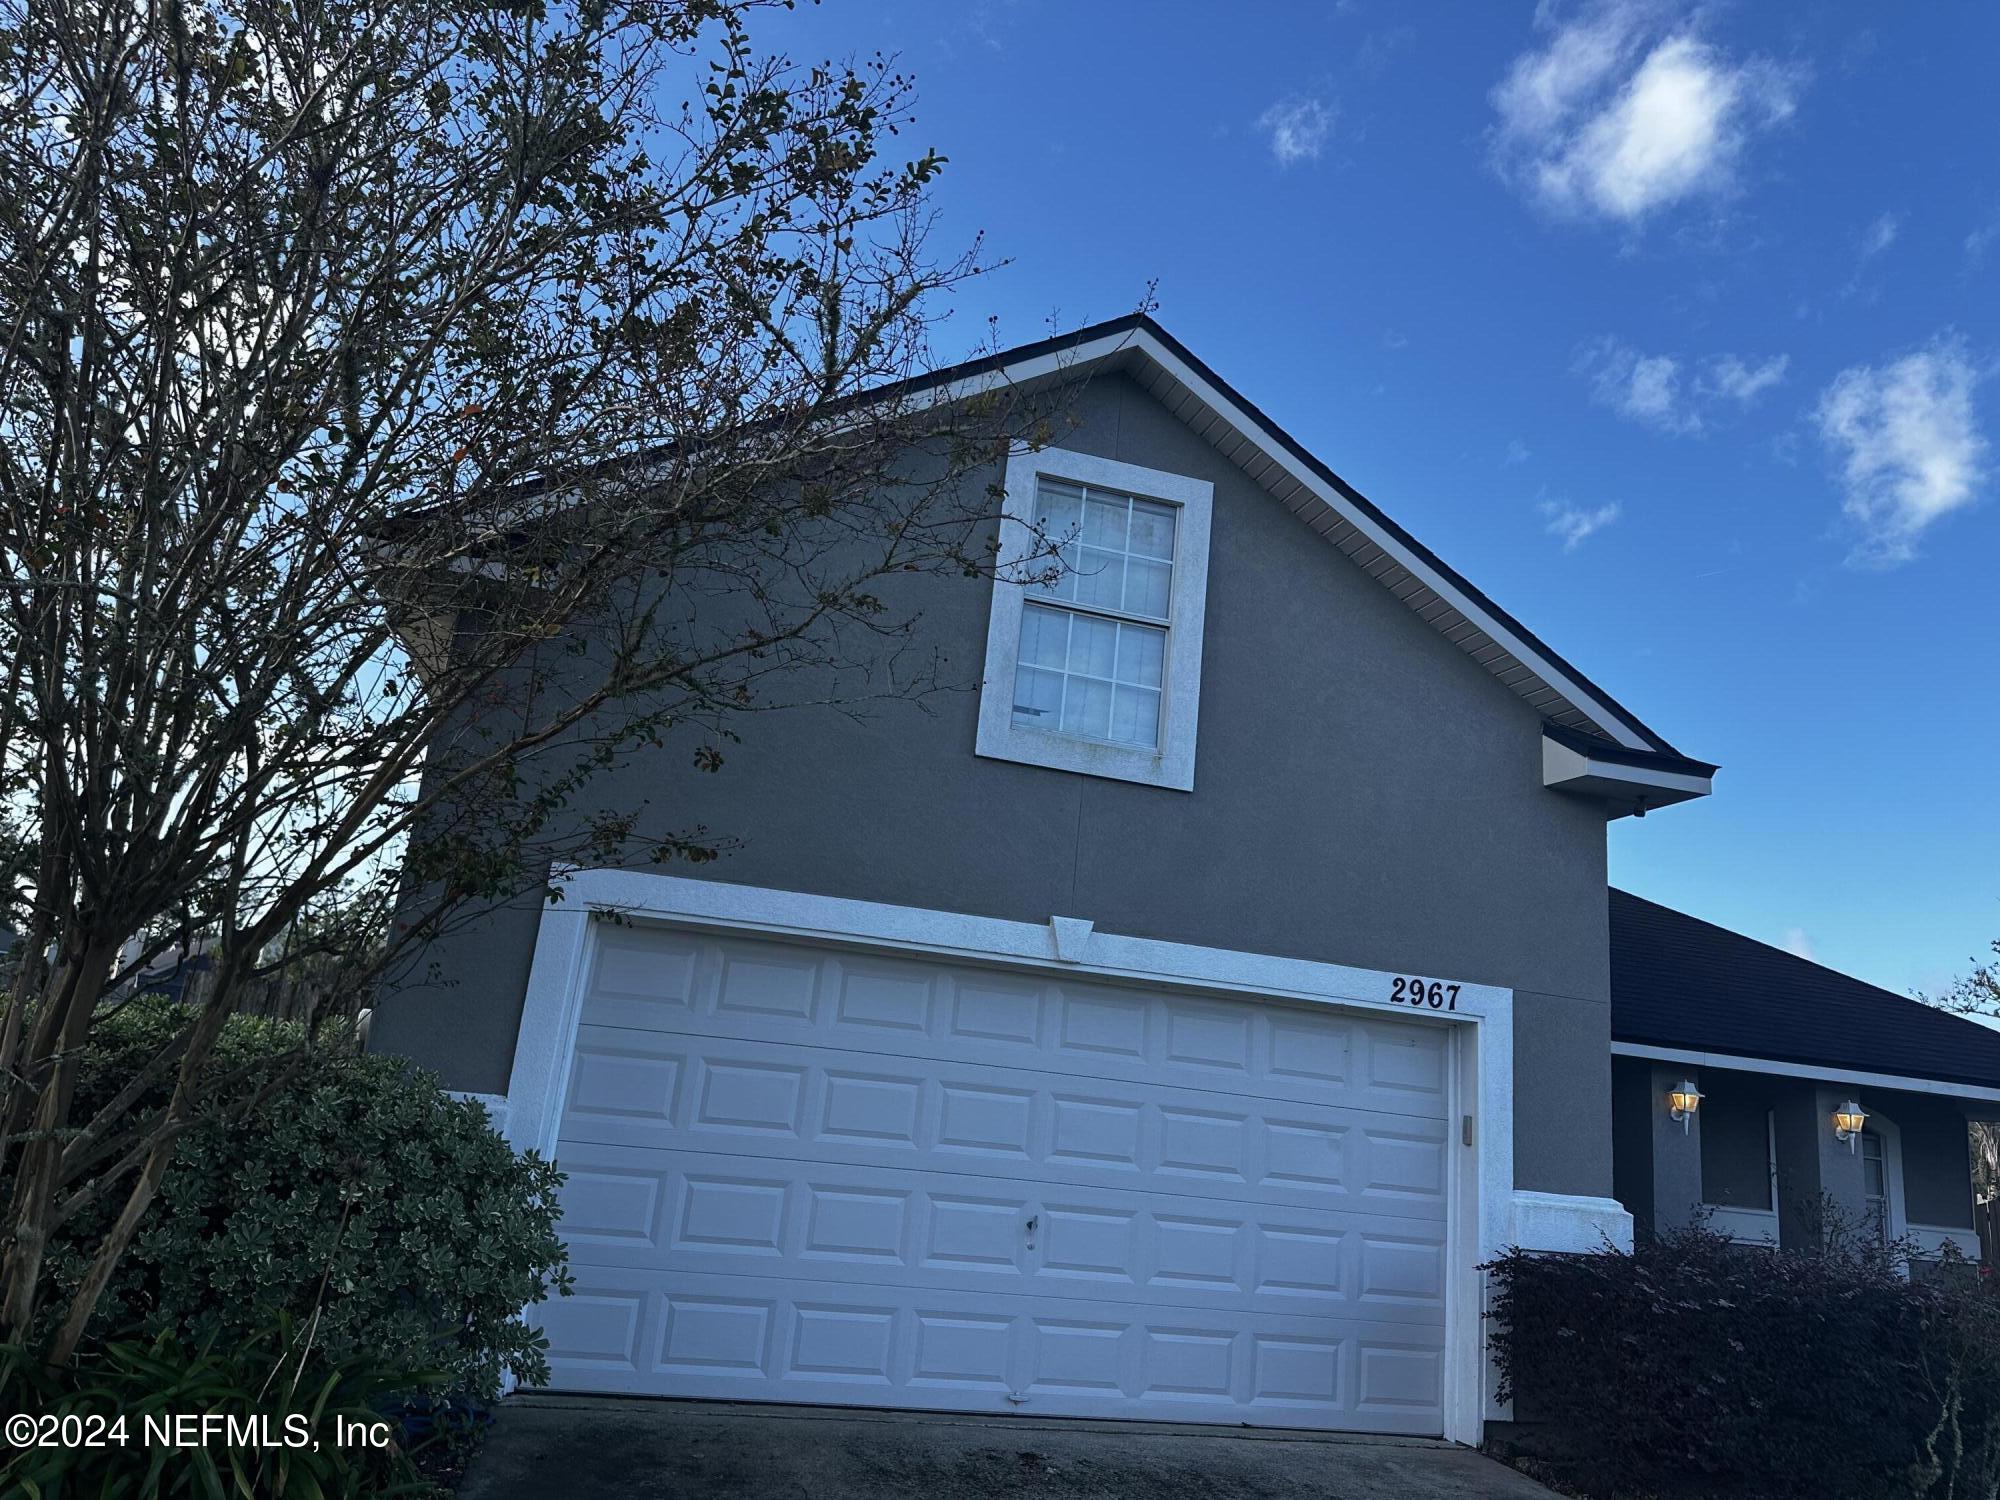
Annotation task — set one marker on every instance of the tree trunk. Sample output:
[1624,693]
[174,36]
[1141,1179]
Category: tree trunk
[81,982]
[207,1028]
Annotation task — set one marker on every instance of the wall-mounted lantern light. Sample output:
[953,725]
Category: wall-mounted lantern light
[1847,1123]
[1683,1099]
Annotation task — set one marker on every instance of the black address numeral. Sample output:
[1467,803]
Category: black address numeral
[1432,994]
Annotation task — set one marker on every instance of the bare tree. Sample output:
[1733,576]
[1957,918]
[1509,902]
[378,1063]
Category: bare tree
[410,406]
[1977,994]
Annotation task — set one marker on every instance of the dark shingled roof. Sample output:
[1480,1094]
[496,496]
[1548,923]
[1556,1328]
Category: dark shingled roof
[1677,981]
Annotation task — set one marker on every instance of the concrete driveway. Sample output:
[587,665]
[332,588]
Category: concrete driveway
[615,1449]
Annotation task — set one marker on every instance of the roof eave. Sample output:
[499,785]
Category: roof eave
[1964,1089]
[1627,785]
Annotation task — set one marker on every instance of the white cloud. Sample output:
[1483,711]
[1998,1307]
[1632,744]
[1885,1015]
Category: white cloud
[1797,943]
[1379,48]
[1298,127]
[1880,235]
[1626,110]
[1517,453]
[1909,446]
[1874,240]
[1650,389]
[1980,241]
[1573,524]
[1543,90]
[1730,376]
[1646,388]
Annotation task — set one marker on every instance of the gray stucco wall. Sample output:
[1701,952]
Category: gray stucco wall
[1632,1140]
[1365,794]
[1657,1161]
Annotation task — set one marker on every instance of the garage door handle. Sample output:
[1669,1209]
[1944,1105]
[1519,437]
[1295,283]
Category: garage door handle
[1033,1220]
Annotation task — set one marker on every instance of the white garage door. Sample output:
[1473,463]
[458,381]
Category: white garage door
[803,1174]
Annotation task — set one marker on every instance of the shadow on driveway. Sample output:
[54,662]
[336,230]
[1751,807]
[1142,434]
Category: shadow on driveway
[618,1449]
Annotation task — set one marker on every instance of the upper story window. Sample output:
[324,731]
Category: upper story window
[1098,669]
[1093,658]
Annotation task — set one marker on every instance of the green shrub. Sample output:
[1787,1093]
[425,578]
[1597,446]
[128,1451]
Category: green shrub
[293,1453]
[1695,1367]
[357,1196]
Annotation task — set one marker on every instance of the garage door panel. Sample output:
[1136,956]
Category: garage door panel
[742,1338]
[889,1006]
[718,1214]
[799,1103]
[809,1174]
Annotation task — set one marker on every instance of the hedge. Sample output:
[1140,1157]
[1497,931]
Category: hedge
[357,1199]
[1696,1367]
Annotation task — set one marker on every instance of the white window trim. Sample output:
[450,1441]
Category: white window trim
[1488,1213]
[1891,1136]
[1171,764]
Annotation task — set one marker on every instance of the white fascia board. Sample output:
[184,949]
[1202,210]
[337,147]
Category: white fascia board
[1036,367]
[1730,1062]
[1567,770]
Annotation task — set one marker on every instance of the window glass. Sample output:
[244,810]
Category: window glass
[1735,1145]
[1116,551]
[1875,1184]
[1088,663]
[1086,675]
[1152,530]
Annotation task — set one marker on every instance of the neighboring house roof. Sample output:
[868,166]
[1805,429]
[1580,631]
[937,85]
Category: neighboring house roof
[1138,346]
[1683,984]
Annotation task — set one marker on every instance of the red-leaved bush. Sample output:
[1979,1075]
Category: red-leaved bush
[1696,1367]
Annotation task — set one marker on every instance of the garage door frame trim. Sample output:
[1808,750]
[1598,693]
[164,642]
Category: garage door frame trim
[1480,1186]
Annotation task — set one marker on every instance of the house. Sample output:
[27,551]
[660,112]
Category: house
[1170,1028]
[1777,1047]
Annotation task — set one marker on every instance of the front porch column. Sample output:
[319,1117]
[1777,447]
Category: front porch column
[1676,1153]
[1814,1167]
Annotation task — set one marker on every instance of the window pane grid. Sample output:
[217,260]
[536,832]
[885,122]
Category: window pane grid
[1095,678]
[1116,550]
[1092,661]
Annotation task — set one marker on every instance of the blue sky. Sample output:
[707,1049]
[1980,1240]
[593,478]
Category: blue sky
[1673,328]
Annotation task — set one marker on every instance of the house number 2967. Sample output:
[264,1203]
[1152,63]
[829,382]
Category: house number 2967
[1435,995]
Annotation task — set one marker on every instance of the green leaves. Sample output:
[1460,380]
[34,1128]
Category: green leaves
[359,1175]
[158,1379]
